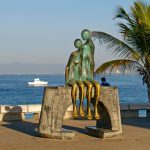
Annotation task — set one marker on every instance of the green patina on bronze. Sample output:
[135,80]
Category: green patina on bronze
[81,62]
[80,73]
[87,53]
[73,68]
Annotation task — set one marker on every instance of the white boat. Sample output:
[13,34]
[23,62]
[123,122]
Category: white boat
[38,82]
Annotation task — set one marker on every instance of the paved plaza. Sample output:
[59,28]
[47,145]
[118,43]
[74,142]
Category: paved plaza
[23,135]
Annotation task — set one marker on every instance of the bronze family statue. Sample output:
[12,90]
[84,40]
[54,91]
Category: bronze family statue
[79,74]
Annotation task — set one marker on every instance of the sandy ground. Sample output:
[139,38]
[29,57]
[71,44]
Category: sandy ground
[18,135]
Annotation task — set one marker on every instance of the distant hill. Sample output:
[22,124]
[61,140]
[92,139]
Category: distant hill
[25,68]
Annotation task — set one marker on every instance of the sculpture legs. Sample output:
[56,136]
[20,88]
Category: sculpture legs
[96,98]
[89,95]
[89,84]
[81,97]
[74,97]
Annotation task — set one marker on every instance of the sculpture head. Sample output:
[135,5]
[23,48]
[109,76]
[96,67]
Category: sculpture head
[77,43]
[85,34]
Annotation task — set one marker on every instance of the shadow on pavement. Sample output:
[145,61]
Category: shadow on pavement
[80,130]
[24,127]
[32,128]
[21,126]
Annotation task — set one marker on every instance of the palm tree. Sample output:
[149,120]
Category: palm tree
[134,49]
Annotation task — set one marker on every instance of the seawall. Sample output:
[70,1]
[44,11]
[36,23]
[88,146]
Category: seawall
[23,112]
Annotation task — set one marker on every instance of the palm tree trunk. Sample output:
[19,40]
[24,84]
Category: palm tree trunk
[148,90]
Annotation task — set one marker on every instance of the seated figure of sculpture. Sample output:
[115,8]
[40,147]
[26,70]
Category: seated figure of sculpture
[79,74]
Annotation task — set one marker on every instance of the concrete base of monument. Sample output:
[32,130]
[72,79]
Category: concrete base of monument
[101,132]
[56,101]
[63,134]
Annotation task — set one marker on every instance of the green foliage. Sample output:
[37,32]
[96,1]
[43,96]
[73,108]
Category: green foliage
[134,50]
[110,65]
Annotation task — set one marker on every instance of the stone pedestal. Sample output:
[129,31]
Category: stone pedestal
[56,100]
[102,132]
[109,124]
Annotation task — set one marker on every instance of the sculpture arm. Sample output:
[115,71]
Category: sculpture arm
[68,66]
[66,74]
[91,44]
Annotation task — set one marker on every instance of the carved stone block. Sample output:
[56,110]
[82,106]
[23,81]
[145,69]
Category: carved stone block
[56,100]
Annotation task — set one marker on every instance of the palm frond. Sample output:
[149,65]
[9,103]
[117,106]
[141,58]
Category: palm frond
[135,50]
[148,16]
[116,45]
[121,13]
[110,65]
[142,12]
[148,58]
[136,29]
[143,73]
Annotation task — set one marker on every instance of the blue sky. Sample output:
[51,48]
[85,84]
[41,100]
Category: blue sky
[43,31]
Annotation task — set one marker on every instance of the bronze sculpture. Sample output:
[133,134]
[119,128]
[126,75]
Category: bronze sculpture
[73,76]
[80,73]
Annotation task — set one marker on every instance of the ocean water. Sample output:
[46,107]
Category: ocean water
[15,91]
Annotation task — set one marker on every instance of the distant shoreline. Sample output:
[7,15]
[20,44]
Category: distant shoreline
[103,74]
[31,74]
